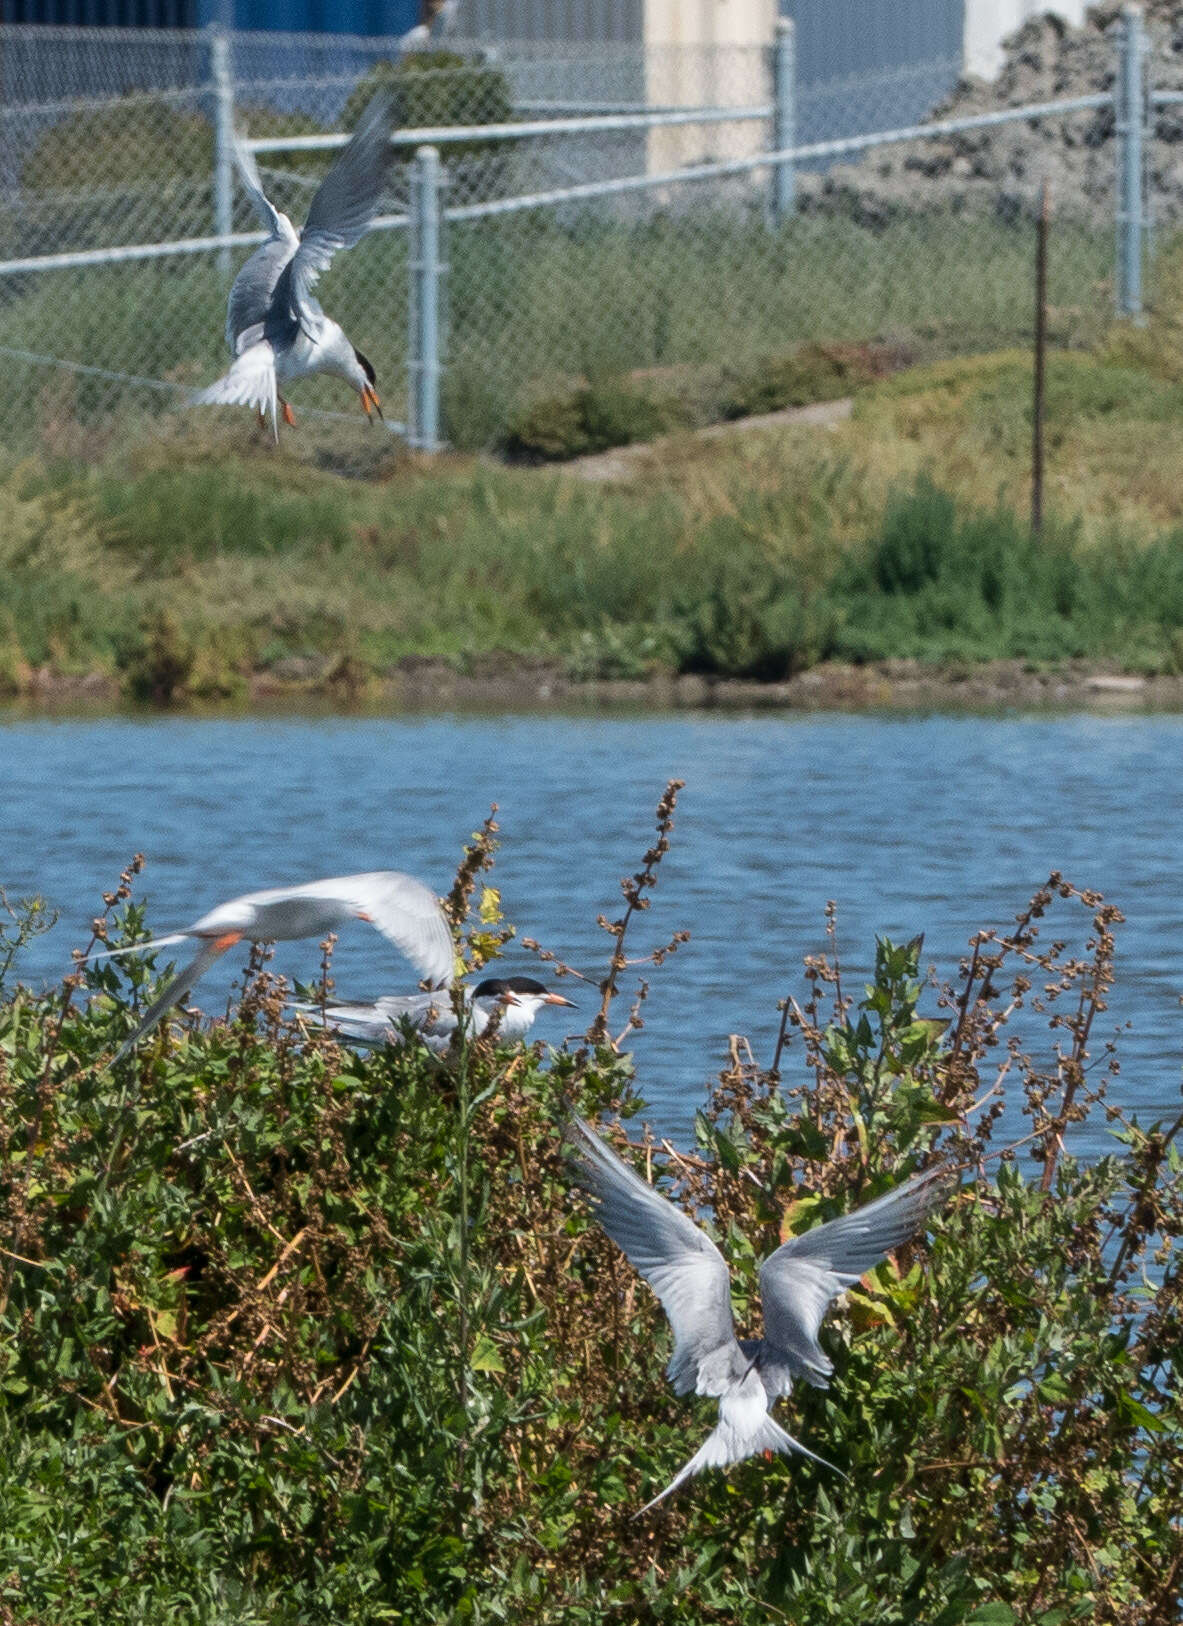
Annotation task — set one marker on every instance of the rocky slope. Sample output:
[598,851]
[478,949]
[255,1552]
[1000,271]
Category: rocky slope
[1002,169]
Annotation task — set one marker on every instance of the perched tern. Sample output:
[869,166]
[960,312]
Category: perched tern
[275,327]
[797,1285]
[433,1016]
[402,908]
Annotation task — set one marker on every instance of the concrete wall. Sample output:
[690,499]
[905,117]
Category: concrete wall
[707,52]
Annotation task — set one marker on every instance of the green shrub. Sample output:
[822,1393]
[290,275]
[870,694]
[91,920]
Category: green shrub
[808,373]
[588,418]
[132,139]
[329,1338]
[744,615]
[156,666]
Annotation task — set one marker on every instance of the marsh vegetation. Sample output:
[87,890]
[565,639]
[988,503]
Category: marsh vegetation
[187,566]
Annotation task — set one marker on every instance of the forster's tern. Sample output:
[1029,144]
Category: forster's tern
[402,908]
[275,327]
[433,1016]
[797,1285]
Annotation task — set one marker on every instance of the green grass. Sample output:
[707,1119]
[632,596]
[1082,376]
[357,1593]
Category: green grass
[212,554]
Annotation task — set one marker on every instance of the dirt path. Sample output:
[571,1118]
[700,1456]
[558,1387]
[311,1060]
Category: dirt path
[623,462]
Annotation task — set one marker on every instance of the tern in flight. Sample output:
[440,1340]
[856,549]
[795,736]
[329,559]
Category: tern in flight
[402,908]
[433,1017]
[797,1285]
[275,327]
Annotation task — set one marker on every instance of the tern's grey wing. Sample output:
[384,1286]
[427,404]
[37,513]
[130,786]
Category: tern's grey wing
[393,1007]
[681,1264]
[269,215]
[252,293]
[342,210]
[800,1280]
[404,911]
[254,286]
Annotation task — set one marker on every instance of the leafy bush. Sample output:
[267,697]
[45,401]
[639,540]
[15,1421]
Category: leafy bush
[132,138]
[807,373]
[588,418]
[745,616]
[329,1338]
[157,665]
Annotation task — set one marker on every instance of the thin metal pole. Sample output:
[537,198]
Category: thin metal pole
[1131,119]
[784,118]
[223,87]
[425,300]
[1037,413]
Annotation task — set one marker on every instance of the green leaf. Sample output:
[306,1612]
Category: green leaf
[486,1357]
[1135,1412]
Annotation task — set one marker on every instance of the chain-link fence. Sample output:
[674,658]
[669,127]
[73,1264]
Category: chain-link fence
[662,230]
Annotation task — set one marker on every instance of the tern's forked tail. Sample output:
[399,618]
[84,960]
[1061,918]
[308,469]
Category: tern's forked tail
[728,1443]
[169,996]
[250,382]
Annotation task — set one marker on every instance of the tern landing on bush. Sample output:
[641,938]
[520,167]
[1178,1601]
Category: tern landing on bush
[433,1016]
[797,1285]
[402,908]
[275,327]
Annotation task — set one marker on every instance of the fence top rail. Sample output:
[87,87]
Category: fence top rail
[445,135]
[940,127]
[592,189]
[738,166]
[518,129]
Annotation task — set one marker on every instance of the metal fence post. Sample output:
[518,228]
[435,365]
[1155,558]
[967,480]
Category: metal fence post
[784,118]
[1130,123]
[426,270]
[223,88]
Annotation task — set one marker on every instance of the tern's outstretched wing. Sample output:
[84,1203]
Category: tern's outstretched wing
[381,1022]
[800,1280]
[254,286]
[276,223]
[681,1264]
[402,908]
[148,945]
[342,211]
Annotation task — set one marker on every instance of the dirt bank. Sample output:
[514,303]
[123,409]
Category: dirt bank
[504,683]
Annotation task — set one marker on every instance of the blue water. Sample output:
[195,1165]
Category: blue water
[940,824]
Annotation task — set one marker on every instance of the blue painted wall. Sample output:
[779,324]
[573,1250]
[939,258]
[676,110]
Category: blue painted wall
[313,16]
[294,16]
[836,38]
[903,56]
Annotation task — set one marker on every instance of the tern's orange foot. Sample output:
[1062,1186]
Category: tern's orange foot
[768,1456]
[289,417]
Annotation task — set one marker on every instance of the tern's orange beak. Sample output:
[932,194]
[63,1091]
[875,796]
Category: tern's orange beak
[557,999]
[370,402]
